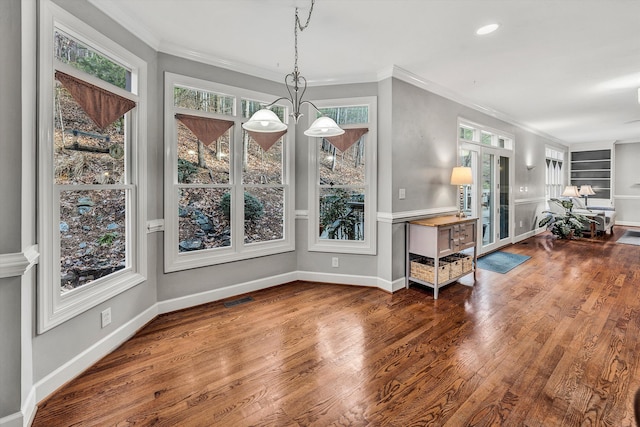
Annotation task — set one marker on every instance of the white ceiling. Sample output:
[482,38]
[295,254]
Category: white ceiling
[567,68]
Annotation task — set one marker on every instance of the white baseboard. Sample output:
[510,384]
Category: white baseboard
[24,418]
[343,279]
[13,420]
[398,284]
[226,292]
[29,407]
[353,280]
[84,360]
[628,223]
[526,235]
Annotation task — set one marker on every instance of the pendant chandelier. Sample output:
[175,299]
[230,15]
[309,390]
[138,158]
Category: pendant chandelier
[265,120]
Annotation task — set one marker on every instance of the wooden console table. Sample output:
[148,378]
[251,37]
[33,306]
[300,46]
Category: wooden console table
[437,250]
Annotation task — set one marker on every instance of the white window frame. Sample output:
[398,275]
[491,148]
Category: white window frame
[239,250]
[368,245]
[479,130]
[555,178]
[53,307]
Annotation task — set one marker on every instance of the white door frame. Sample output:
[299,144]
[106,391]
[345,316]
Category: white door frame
[480,150]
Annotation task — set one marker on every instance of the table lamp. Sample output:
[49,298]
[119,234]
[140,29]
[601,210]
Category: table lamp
[461,175]
[586,191]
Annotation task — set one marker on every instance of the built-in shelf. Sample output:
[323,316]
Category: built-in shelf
[592,168]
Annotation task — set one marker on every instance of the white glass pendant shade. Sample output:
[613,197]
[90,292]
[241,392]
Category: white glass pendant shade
[264,120]
[323,127]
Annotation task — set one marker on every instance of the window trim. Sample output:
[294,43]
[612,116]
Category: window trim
[239,250]
[53,307]
[478,130]
[553,153]
[368,246]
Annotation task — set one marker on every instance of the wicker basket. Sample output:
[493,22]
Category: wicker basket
[422,268]
[467,262]
[455,265]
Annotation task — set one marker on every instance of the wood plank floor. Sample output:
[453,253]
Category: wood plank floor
[555,342]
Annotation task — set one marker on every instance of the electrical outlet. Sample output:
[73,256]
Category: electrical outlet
[402,193]
[106,316]
[335,262]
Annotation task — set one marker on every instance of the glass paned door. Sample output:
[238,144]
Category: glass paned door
[467,200]
[504,197]
[487,199]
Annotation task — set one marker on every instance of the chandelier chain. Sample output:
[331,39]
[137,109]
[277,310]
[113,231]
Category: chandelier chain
[298,25]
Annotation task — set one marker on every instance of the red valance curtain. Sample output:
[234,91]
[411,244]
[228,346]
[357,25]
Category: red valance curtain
[102,106]
[266,139]
[347,139]
[206,129]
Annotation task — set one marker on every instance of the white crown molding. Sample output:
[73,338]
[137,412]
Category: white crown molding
[413,79]
[260,72]
[626,141]
[127,21]
[17,264]
[597,145]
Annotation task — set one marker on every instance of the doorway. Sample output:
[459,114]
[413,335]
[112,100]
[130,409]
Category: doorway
[489,198]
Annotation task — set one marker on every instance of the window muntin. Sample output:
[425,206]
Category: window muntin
[343,181]
[203,100]
[554,173]
[230,199]
[90,232]
[483,135]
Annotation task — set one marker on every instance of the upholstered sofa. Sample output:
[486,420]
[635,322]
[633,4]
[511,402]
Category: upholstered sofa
[604,217]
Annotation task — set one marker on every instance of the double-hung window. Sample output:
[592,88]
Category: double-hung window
[228,194]
[342,180]
[91,164]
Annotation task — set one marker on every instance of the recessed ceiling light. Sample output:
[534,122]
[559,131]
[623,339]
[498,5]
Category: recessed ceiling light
[487,29]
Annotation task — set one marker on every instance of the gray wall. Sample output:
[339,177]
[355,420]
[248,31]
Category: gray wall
[424,149]
[10,208]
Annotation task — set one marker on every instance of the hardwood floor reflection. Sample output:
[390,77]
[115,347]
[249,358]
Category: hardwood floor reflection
[556,341]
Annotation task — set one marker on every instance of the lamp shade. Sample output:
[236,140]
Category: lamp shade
[461,175]
[570,191]
[586,190]
[264,121]
[323,127]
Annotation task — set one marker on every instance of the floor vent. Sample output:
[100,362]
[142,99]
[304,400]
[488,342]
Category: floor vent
[235,302]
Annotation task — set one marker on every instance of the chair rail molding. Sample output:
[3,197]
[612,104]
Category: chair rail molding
[397,217]
[17,264]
